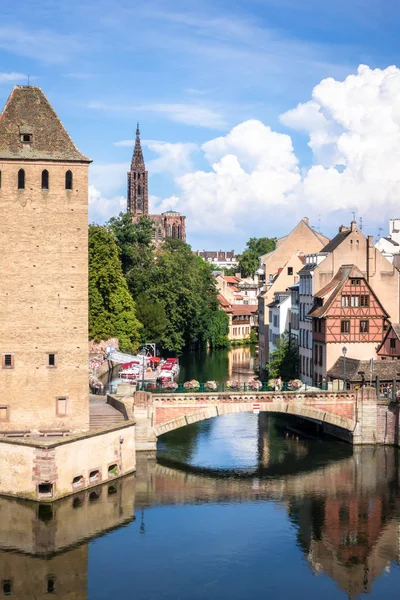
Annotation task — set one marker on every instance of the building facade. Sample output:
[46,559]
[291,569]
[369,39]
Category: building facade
[280,272]
[279,317]
[169,224]
[219,259]
[44,262]
[389,246]
[347,314]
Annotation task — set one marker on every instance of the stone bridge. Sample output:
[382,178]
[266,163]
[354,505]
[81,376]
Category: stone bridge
[358,417]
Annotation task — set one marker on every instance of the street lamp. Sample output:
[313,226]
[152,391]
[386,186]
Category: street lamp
[144,352]
[344,351]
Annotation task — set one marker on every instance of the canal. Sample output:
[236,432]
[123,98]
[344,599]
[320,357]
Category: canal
[241,506]
[206,365]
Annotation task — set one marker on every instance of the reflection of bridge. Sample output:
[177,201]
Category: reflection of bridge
[357,417]
[345,516]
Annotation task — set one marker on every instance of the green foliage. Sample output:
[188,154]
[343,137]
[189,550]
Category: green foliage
[152,317]
[136,249]
[218,328]
[253,337]
[255,247]
[111,307]
[284,361]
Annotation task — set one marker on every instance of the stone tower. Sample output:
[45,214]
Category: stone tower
[44,270]
[138,193]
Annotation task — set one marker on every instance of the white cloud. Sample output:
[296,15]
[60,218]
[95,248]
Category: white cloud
[172,158]
[109,178]
[187,113]
[101,208]
[44,45]
[11,77]
[159,205]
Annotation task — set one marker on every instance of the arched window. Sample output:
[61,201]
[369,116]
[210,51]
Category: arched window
[45,179]
[179,233]
[174,230]
[134,175]
[159,233]
[139,190]
[68,180]
[21,179]
[0,180]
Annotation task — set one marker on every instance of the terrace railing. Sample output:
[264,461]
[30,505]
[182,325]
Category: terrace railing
[220,387]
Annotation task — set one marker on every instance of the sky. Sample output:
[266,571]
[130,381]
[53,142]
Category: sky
[252,114]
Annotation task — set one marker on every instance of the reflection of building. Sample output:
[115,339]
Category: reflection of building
[169,224]
[45,554]
[241,363]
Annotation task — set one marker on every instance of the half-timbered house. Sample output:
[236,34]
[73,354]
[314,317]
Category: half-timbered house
[390,346]
[346,314]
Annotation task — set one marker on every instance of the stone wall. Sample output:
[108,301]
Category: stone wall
[44,297]
[67,465]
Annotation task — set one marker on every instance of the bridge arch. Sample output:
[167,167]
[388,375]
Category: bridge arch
[335,424]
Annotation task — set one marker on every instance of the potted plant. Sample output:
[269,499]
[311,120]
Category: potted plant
[254,385]
[191,386]
[170,385]
[294,384]
[211,386]
[233,385]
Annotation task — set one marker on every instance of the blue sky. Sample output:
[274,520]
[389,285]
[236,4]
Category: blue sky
[191,72]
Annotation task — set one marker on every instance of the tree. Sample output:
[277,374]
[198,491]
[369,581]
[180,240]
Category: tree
[218,328]
[255,247]
[111,307]
[284,360]
[152,317]
[136,249]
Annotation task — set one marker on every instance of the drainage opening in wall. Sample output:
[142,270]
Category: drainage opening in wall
[45,512]
[94,476]
[113,470]
[45,490]
[78,482]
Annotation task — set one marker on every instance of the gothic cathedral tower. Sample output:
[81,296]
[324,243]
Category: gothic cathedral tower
[138,193]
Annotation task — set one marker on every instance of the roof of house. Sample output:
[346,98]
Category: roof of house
[279,298]
[225,305]
[27,111]
[337,240]
[232,279]
[388,239]
[386,370]
[244,309]
[330,291]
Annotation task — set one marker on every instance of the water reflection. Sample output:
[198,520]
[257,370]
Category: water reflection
[345,514]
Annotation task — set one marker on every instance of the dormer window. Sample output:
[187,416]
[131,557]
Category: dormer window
[26,138]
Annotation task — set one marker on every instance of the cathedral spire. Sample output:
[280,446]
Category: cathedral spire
[137,159]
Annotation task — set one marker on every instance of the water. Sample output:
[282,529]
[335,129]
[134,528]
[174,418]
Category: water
[205,365]
[236,507]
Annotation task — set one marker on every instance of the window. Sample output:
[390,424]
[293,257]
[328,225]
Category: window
[315,354]
[21,179]
[8,361]
[355,301]
[113,470]
[345,301]
[68,180]
[159,234]
[290,271]
[364,326]
[320,356]
[51,584]
[0,180]
[7,587]
[392,342]
[26,138]
[61,406]
[364,300]
[45,180]
[345,326]
[4,413]
[355,282]
[51,360]
[319,325]
[94,476]
[78,482]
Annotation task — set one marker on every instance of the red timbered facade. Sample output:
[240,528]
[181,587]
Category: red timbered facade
[390,347]
[346,313]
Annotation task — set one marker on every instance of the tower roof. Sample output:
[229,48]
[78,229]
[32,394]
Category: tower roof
[28,113]
[137,158]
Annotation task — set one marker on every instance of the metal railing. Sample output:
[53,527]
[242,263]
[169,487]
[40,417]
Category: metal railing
[223,387]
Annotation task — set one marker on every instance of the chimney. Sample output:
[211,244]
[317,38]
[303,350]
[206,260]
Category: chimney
[353,225]
[306,220]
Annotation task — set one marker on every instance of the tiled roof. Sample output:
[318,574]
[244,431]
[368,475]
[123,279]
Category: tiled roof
[336,241]
[223,301]
[244,309]
[28,111]
[386,370]
[332,289]
[231,279]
